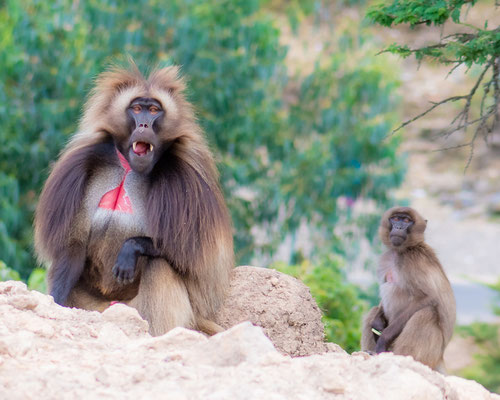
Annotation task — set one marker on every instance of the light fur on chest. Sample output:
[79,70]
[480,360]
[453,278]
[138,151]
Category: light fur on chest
[393,292]
[127,223]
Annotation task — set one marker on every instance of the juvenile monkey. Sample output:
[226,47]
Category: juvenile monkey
[416,314]
[132,210]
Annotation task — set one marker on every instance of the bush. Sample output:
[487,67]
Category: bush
[7,274]
[36,280]
[486,368]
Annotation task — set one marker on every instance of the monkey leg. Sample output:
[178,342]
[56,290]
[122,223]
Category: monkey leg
[163,299]
[367,338]
[422,338]
[80,297]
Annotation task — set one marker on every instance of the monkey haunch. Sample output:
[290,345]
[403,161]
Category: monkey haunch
[417,312]
[132,210]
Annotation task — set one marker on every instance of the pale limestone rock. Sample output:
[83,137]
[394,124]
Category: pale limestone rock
[131,322]
[68,353]
[470,389]
[241,343]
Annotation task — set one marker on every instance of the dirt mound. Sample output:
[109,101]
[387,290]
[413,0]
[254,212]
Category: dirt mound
[280,304]
[51,352]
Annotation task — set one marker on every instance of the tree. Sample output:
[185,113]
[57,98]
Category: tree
[469,46]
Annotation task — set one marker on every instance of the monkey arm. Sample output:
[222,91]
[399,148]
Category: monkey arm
[395,327]
[379,322]
[132,249]
[65,272]
[62,197]
[59,235]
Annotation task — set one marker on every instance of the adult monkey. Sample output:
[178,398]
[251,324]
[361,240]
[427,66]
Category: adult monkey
[132,210]
[417,312]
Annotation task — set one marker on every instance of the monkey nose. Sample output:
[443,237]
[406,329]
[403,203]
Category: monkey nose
[141,127]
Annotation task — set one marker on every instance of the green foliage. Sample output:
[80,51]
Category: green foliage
[416,12]
[339,301]
[347,114]
[459,48]
[479,48]
[7,274]
[486,368]
[37,280]
[281,164]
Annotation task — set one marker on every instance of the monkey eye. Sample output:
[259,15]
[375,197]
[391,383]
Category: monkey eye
[154,110]
[395,218]
[407,220]
[136,108]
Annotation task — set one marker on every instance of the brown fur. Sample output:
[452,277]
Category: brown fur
[418,307]
[180,206]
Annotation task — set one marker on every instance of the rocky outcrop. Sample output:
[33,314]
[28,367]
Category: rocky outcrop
[52,352]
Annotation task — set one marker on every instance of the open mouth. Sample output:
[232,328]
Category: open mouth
[142,148]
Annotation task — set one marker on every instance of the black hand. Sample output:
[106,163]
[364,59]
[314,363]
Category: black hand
[126,262]
[124,269]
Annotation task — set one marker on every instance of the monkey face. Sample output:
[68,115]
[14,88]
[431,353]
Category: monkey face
[402,227]
[144,145]
[401,224]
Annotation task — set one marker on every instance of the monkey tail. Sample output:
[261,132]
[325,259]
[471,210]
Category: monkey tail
[208,327]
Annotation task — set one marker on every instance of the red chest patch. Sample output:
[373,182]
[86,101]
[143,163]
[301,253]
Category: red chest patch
[117,198]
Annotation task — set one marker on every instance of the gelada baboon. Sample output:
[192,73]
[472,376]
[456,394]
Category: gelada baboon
[416,314]
[132,210]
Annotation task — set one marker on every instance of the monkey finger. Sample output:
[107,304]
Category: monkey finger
[123,275]
[117,273]
[126,277]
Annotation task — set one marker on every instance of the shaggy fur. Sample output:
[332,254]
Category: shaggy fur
[417,311]
[179,205]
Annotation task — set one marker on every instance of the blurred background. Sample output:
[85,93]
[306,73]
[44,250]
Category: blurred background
[298,101]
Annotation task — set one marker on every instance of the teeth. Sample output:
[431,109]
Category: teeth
[150,147]
[134,145]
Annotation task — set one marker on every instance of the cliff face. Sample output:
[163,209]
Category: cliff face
[51,352]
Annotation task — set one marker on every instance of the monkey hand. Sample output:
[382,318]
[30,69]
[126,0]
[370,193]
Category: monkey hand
[379,324]
[381,345]
[124,269]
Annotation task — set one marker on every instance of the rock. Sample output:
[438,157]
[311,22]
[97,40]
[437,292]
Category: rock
[68,353]
[130,322]
[280,304]
[241,343]
[469,389]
